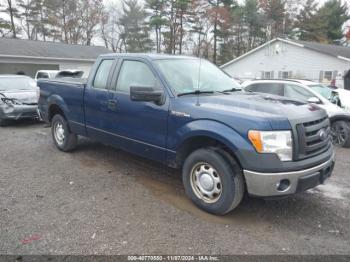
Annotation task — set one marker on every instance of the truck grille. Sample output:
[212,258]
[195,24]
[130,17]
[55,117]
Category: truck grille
[313,137]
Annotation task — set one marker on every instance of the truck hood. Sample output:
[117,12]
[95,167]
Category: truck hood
[240,110]
[29,97]
[263,105]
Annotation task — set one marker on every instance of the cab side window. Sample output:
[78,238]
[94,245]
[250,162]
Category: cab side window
[296,92]
[135,73]
[268,88]
[101,77]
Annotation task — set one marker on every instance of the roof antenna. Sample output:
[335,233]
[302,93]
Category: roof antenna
[199,80]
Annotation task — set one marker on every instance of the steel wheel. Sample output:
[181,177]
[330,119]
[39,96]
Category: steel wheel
[59,133]
[206,183]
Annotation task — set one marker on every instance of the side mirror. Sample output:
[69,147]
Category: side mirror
[314,100]
[146,94]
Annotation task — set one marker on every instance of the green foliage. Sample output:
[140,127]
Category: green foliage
[310,24]
[135,31]
[334,14]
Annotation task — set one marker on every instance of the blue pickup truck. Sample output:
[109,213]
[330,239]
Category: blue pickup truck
[186,113]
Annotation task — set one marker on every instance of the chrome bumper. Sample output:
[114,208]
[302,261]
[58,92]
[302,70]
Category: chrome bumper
[266,184]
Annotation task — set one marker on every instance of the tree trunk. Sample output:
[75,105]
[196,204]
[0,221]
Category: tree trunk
[215,36]
[181,32]
[13,27]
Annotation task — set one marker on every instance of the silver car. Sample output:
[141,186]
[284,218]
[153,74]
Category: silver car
[19,97]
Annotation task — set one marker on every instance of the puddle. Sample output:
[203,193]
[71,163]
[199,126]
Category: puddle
[173,194]
[331,191]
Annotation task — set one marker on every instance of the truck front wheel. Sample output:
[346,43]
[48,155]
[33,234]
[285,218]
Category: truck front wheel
[64,139]
[213,182]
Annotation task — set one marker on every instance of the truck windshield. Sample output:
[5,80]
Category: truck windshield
[195,76]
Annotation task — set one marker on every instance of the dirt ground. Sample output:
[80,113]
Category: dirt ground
[99,200]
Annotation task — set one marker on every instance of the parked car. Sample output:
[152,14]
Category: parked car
[18,98]
[51,74]
[186,113]
[337,96]
[341,98]
[308,92]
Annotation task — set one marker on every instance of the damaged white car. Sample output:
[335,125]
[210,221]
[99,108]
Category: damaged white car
[19,97]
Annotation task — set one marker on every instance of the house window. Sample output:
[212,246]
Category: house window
[285,75]
[328,75]
[267,75]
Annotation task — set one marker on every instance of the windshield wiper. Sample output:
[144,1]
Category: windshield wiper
[231,90]
[196,92]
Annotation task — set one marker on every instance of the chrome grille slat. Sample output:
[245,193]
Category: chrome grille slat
[316,127]
[319,145]
[310,141]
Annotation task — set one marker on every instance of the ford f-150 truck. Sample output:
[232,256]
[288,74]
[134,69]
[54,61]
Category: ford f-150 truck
[187,113]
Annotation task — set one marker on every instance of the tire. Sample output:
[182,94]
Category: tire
[341,133]
[209,170]
[64,139]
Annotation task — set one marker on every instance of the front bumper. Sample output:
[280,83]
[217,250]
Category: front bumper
[18,111]
[267,184]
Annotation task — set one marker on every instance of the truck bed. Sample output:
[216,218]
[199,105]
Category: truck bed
[67,93]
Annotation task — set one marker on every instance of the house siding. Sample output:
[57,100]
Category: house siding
[281,56]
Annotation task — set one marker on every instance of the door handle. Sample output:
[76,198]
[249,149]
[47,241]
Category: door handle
[112,104]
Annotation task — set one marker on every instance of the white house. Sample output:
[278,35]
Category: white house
[282,58]
[25,56]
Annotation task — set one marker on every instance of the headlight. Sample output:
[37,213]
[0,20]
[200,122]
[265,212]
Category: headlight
[277,142]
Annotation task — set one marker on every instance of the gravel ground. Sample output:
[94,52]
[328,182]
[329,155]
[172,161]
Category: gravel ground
[98,200]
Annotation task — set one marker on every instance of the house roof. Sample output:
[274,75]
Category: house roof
[10,47]
[340,52]
[334,50]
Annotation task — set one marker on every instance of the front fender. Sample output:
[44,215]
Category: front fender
[215,130]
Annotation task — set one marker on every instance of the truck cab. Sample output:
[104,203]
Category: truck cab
[188,114]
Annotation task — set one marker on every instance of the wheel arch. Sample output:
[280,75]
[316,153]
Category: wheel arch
[335,118]
[214,135]
[56,106]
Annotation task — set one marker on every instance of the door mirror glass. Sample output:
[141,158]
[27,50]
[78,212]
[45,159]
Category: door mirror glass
[146,94]
[314,100]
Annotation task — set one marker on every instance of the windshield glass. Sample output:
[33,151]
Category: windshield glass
[16,83]
[189,75]
[324,91]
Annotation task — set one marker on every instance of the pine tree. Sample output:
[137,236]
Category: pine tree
[11,9]
[254,22]
[276,17]
[157,19]
[334,14]
[135,32]
[310,25]
[219,10]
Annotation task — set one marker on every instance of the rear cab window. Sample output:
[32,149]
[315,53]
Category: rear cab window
[102,74]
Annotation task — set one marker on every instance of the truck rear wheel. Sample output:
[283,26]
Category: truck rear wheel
[341,133]
[64,139]
[213,182]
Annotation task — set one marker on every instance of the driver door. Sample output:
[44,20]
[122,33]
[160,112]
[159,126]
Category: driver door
[140,126]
